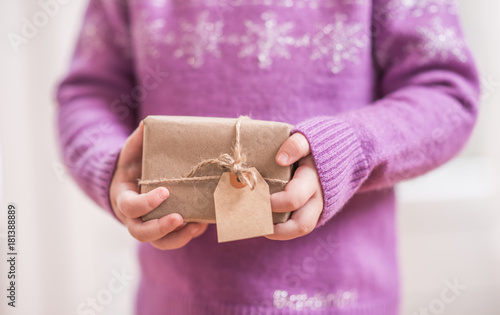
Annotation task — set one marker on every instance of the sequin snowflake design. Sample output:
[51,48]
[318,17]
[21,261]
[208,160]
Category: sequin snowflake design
[416,8]
[339,43]
[198,40]
[282,299]
[268,39]
[420,7]
[312,4]
[438,42]
[147,34]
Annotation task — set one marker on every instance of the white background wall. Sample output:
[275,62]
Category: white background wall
[70,251]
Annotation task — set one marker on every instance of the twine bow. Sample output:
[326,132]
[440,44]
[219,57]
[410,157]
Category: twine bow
[236,165]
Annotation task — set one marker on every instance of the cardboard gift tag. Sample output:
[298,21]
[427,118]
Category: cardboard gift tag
[241,212]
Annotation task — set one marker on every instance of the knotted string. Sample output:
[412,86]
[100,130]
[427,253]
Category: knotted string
[236,164]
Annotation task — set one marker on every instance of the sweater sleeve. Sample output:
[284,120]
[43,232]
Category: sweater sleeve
[428,93]
[93,122]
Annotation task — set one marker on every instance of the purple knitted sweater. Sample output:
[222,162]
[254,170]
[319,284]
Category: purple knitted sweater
[384,91]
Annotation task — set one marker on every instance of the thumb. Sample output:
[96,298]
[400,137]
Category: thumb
[293,149]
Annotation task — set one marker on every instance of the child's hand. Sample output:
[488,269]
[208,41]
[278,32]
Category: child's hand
[168,232]
[302,194]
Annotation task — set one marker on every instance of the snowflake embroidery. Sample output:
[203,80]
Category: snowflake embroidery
[419,7]
[439,42]
[268,39]
[401,8]
[312,4]
[284,300]
[149,35]
[339,43]
[198,39]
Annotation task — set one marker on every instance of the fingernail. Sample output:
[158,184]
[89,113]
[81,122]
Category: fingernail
[282,158]
[163,194]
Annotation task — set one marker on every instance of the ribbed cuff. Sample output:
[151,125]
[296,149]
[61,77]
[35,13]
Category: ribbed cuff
[340,161]
[98,173]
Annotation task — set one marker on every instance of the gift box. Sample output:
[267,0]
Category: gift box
[174,147]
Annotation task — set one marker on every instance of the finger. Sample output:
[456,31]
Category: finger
[203,228]
[297,192]
[154,229]
[180,237]
[294,148]
[128,185]
[302,222]
[134,205]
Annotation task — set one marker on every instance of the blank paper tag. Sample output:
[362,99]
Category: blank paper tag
[241,212]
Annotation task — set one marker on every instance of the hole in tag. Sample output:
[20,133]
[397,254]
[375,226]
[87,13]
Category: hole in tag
[235,182]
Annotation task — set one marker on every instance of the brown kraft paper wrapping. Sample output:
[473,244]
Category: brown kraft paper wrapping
[174,144]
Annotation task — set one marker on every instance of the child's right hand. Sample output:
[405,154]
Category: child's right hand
[168,232]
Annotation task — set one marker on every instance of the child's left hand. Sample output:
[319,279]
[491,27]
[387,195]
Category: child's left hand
[303,194]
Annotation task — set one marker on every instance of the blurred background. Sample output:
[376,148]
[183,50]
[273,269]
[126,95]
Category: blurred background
[72,253]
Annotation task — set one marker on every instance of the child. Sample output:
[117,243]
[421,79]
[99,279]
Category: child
[379,91]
